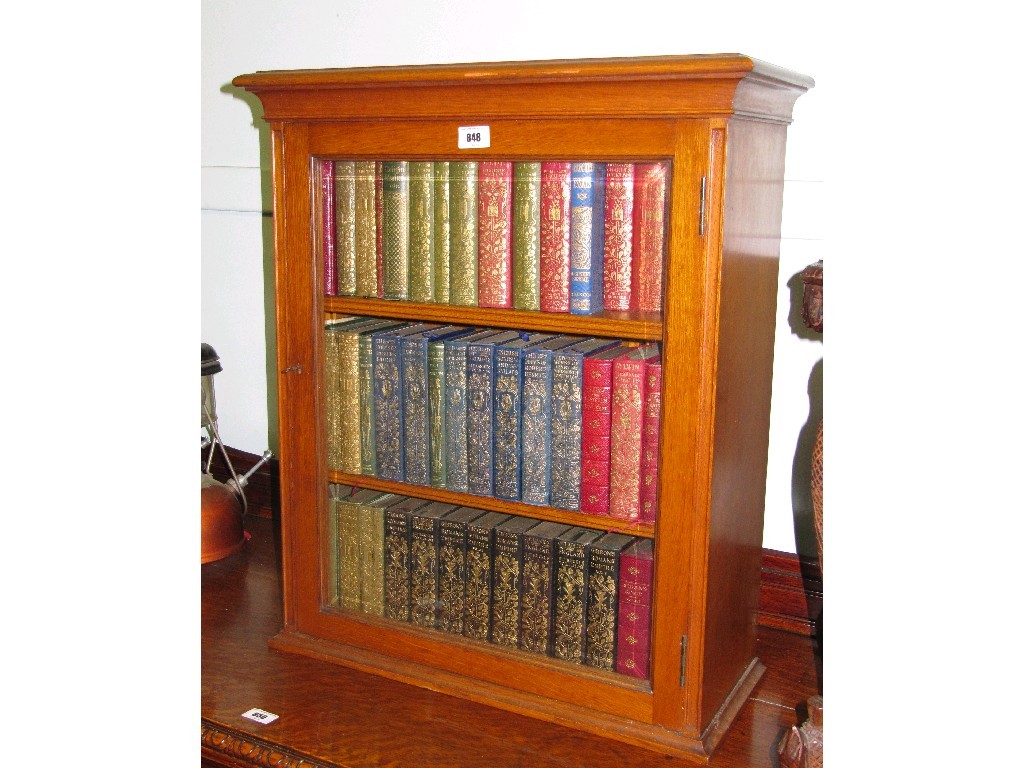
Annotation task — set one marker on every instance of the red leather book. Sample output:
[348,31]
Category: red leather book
[494,238]
[650,442]
[327,226]
[628,381]
[595,441]
[648,235]
[618,236]
[636,583]
[555,198]
[379,214]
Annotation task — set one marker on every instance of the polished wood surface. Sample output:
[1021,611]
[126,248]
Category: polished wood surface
[720,121]
[335,717]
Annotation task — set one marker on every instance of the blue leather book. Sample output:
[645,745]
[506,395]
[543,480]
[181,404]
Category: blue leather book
[480,374]
[586,239]
[536,424]
[416,417]
[456,466]
[508,414]
[387,399]
[567,420]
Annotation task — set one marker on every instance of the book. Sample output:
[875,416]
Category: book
[442,232]
[536,420]
[332,395]
[595,440]
[618,236]
[451,567]
[586,239]
[555,200]
[628,389]
[366,228]
[508,414]
[494,238]
[536,612]
[398,559]
[636,585]
[346,508]
[424,540]
[463,214]
[480,375]
[455,444]
[335,493]
[506,596]
[479,575]
[388,400]
[650,443]
[437,412]
[566,420]
[378,209]
[570,632]
[421,231]
[367,412]
[326,222]
[648,235]
[371,552]
[526,236]
[416,417]
[395,229]
[603,598]
[345,226]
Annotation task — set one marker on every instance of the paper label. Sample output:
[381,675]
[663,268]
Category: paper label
[474,136]
[260,715]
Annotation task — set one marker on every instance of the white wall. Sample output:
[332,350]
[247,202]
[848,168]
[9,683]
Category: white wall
[241,37]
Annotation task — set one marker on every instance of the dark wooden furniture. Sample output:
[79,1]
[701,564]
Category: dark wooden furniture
[720,121]
[334,717]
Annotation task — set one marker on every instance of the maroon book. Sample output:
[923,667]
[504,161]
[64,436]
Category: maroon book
[327,226]
[649,443]
[648,236]
[636,584]
[494,235]
[595,443]
[618,236]
[555,198]
[628,382]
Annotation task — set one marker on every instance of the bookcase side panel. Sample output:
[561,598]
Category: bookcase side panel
[751,231]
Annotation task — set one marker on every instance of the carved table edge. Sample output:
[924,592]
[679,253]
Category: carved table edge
[244,749]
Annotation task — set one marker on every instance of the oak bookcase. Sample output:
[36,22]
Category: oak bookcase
[719,122]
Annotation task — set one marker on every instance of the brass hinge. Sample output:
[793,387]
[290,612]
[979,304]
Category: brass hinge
[682,662]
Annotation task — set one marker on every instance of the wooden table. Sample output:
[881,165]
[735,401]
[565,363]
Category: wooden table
[332,716]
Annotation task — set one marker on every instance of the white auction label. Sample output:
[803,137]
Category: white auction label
[260,715]
[474,136]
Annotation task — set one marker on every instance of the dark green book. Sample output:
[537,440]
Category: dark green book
[335,492]
[424,542]
[397,561]
[535,624]
[442,232]
[603,598]
[570,635]
[526,236]
[395,229]
[479,575]
[451,568]
[506,597]
[463,216]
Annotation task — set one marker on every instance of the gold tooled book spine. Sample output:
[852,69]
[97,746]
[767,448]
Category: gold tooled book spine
[345,225]
[366,229]
[602,593]
[421,231]
[505,592]
[526,236]
[332,389]
[395,265]
[648,235]
[569,602]
[348,546]
[463,217]
[396,565]
[423,571]
[349,459]
[442,233]
[618,236]
[371,558]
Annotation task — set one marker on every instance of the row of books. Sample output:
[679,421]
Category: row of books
[550,236]
[572,593]
[553,420]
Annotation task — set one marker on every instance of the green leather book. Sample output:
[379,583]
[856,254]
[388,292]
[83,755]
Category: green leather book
[371,553]
[335,491]
[395,229]
[345,225]
[526,236]
[442,232]
[463,214]
[421,231]
[366,229]
[349,569]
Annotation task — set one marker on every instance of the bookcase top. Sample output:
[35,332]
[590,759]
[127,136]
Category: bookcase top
[684,85]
